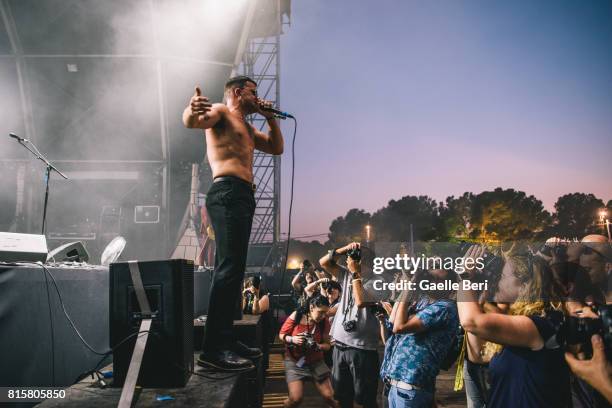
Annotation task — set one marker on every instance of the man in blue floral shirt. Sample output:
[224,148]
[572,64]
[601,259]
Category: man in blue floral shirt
[423,334]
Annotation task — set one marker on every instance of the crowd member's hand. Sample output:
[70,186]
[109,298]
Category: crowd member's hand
[578,309]
[346,248]
[381,316]
[323,280]
[597,371]
[387,306]
[474,252]
[298,339]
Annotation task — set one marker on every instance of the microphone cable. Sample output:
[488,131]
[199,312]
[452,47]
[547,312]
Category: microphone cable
[70,321]
[280,284]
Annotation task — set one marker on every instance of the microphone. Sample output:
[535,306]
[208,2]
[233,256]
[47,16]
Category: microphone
[281,114]
[14,136]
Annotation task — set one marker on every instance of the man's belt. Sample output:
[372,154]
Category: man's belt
[252,186]
[402,385]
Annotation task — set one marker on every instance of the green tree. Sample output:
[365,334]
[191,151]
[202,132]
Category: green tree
[577,215]
[349,228]
[392,223]
[455,217]
[502,215]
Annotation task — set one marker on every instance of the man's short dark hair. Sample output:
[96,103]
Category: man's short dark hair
[334,285]
[238,82]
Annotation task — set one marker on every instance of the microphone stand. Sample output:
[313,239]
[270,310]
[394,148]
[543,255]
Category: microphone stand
[34,150]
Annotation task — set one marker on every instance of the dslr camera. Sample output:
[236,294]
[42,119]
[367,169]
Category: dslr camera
[309,342]
[354,254]
[492,263]
[349,325]
[557,250]
[578,330]
[377,309]
[256,280]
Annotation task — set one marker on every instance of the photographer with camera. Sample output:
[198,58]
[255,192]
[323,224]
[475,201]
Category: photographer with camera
[582,268]
[424,326]
[306,336]
[355,328]
[301,280]
[530,370]
[252,302]
[597,371]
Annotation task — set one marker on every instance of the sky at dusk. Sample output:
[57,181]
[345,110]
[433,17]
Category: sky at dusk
[437,98]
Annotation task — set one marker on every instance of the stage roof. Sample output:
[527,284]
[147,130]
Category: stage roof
[99,80]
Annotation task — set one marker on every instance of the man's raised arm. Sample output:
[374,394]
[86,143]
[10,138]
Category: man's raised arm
[200,113]
[271,143]
[328,262]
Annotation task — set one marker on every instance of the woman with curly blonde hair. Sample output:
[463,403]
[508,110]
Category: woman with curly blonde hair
[529,371]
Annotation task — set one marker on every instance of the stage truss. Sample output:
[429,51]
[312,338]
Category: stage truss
[261,61]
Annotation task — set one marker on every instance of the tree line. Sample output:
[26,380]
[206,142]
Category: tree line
[498,215]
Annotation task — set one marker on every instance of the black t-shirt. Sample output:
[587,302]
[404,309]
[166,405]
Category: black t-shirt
[524,378]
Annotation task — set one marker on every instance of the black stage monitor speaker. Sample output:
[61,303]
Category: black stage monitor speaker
[22,247]
[168,357]
[70,252]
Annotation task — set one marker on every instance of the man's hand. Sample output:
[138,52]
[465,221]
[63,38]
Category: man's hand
[262,104]
[596,371]
[354,266]
[199,104]
[345,249]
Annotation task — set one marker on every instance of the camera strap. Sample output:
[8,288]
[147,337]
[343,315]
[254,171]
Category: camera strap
[351,301]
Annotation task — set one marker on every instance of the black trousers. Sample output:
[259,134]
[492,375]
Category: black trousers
[231,205]
[355,374]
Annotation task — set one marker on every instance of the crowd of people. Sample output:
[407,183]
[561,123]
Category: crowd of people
[538,337]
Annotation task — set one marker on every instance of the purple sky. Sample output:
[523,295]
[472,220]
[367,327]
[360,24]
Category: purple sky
[438,98]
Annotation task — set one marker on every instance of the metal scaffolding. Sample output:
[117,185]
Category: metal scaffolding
[261,61]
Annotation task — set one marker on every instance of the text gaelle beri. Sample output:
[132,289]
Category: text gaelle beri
[411,264]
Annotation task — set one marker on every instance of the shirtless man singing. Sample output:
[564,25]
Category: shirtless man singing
[230,144]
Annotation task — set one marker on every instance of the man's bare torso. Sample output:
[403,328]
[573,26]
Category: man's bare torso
[230,145]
